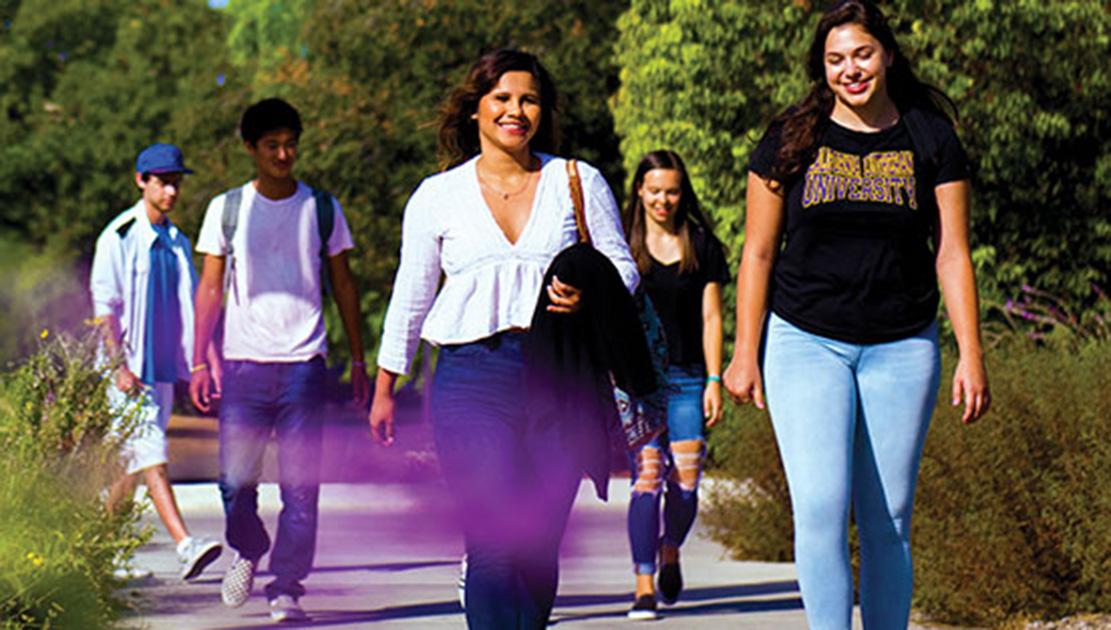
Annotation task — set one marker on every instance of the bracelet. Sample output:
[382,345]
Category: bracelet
[198,368]
[358,364]
[713,379]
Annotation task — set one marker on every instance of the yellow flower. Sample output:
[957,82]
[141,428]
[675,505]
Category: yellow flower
[44,334]
[35,559]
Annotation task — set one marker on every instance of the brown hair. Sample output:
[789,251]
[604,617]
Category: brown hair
[689,213]
[458,131]
[803,124]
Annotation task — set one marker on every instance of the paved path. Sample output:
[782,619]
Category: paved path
[388,559]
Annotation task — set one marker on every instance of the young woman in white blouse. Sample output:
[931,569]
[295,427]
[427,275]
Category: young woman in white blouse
[490,224]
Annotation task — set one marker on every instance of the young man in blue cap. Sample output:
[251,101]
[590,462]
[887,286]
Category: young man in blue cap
[142,287]
[272,244]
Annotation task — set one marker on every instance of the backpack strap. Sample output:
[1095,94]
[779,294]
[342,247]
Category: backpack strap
[325,223]
[229,221]
[577,200]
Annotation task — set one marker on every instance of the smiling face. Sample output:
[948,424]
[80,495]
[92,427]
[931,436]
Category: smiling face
[856,69]
[275,153]
[660,194]
[509,114]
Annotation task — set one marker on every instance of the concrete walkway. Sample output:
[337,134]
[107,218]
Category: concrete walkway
[388,559]
[388,556]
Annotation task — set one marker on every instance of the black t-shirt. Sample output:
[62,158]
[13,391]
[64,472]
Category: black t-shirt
[858,262]
[677,297]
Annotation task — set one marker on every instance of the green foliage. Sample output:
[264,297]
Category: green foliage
[704,77]
[748,507]
[1013,514]
[267,33]
[86,85]
[41,291]
[57,542]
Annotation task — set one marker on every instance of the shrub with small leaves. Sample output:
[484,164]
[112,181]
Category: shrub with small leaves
[58,452]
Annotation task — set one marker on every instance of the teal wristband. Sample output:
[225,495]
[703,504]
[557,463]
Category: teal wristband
[715,379]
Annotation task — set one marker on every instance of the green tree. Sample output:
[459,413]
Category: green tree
[85,86]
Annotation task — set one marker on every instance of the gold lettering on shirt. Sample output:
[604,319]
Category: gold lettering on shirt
[879,177]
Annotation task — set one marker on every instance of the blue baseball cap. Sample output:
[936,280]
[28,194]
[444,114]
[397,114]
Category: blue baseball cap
[161,158]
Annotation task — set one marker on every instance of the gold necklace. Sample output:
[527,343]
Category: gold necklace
[506,195]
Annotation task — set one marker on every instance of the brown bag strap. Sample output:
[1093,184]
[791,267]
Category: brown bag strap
[577,200]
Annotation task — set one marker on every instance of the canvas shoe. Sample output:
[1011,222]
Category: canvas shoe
[238,581]
[285,608]
[194,554]
[670,582]
[644,609]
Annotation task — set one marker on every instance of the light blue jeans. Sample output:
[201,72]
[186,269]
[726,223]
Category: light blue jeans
[850,421]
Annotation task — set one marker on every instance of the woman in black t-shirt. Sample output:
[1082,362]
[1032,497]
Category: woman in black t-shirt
[682,269]
[858,202]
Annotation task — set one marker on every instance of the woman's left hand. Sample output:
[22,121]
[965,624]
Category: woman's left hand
[970,383]
[711,402]
[565,298]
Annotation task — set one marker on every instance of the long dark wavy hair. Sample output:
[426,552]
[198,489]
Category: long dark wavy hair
[689,213]
[803,124]
[458,131]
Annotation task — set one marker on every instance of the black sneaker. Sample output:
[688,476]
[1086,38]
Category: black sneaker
[644,609]
[670,582]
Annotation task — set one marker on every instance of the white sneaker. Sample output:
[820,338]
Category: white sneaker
[238,581]
[194,554]
[285,608]
[127,572]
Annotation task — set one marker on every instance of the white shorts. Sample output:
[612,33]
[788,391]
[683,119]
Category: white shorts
[149,413]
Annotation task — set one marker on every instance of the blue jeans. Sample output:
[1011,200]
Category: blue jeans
[513,482]
[850,421]
[685,422]
[283,399]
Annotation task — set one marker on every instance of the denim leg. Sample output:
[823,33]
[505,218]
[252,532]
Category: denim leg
[300,438]
[246,417]
[643,520]
[684,424]
[812,397]
[898,385]
[512,510]
[556,472]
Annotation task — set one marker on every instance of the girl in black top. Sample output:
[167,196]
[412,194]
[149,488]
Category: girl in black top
[858,201]
[682,269]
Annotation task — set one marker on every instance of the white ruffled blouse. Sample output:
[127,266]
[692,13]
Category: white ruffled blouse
[490,285]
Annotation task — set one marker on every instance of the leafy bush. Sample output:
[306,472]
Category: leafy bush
[1013,514]
[57,542]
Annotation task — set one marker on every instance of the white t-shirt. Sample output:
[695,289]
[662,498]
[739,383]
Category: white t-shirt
[274,295]
[490,284]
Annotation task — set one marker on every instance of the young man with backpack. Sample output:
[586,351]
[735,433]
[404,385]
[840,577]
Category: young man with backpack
[272,245]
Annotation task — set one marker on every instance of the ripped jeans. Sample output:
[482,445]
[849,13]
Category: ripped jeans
[668,469]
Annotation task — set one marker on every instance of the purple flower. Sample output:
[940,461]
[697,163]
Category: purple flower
[220,79]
